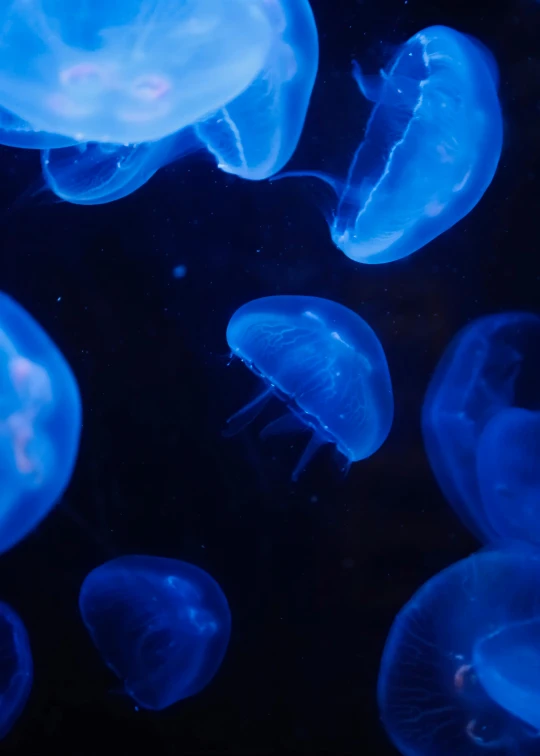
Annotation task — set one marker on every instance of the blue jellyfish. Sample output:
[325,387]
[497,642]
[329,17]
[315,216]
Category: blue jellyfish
[94,173]
[133,71]
[430,151]
[325,363]
[256,134]
[460,669]
[161,625]
[39,425]
[16,668]
[474,408]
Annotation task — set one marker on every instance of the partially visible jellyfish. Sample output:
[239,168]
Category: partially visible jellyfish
[256,133]
[481,427]
[161,625]
[460,671]
[430,151]
[325,363]
[14,132]
[135,72]
[93,173]
[40,423]
[16,668]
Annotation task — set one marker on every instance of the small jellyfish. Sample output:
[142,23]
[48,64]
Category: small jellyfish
[128,72]
[93,174]
[481,428]
[40,423]
[256,133]
[161,625]
[325,363]
[460,671]
[16,668]
[430,151]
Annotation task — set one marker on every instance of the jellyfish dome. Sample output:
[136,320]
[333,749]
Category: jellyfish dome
[16,668]
[161,625]
[137,71]
[325,363]
[40,423]
[481,426]
[460,669]
[430,151]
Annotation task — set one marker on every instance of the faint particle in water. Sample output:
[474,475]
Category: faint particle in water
[481,428]
[430,151]
[325,363]
[40,423]
[458,673]
[179,271]
[16,668]
[161,625]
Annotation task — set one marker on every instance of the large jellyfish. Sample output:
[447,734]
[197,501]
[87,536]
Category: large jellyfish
[92,173]
[460,670]
[430,151]
[40,423]
[16,668]
[481,426]
[325,363]
[132,72]
[161,625]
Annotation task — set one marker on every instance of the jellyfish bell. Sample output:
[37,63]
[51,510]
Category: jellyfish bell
[325,363]
[127,72]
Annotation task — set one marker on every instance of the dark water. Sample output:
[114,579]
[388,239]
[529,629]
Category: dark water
[314,572]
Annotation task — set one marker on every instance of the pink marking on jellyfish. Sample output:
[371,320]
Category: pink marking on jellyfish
[32,379]
[459,677]
[82,73]
[22,433]
[150,87]
[60,103]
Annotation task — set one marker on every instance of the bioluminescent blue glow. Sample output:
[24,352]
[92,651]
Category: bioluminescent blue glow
[459,672]
[133,76]
[508,470]
[40,423]
[325,363]
[14,132]
[475,425]
[131,71]
[16,668]
[430,151]
[92,173]
[256,133]
[161,625]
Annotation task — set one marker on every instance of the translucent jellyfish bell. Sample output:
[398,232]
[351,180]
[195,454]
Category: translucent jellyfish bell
[14,132]
[460,669]
[481,429]
[325,363]
[255,134]
[430,150]
[431,147]
[130,71]
[16,668]
[40,423]
[161,625]
[94,173]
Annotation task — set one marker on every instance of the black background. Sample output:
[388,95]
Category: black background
[314,572]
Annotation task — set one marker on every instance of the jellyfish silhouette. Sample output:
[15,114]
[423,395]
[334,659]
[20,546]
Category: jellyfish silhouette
[481,427]
[325,363]
[430,151]
[137,71]
[40,423]
[161,625]
[92,173]
[16,668]
[459,671]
